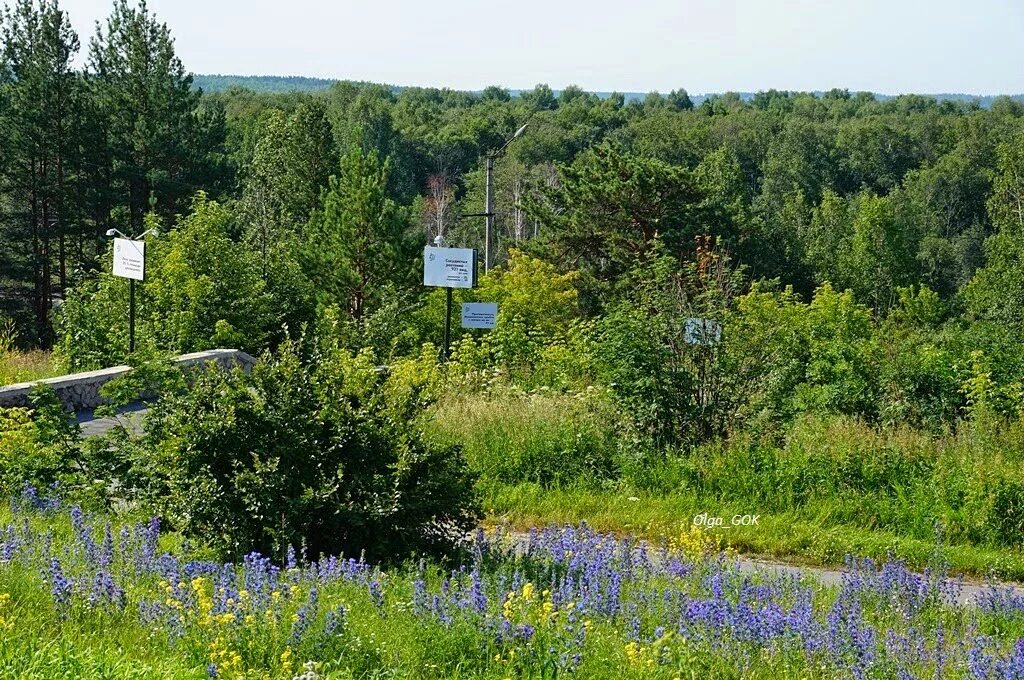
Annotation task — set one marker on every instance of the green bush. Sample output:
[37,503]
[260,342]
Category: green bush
[40,447]
[315,452]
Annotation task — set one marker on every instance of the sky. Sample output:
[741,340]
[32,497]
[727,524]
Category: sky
[886,46]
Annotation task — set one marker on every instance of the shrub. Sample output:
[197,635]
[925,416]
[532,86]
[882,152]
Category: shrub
[304,452]
[39,447]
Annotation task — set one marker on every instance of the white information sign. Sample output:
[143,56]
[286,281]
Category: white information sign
[479,314]
[130,259]
[449,267]
[703,332]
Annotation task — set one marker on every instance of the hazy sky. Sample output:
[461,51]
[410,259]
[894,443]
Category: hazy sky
[889,46]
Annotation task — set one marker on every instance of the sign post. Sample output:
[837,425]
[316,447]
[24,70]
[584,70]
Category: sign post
[130,263]
[449,268]
[479,315]
[703,332]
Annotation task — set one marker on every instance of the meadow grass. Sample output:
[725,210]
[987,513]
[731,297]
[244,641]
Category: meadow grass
[806,536]
[17,366]
[828,488]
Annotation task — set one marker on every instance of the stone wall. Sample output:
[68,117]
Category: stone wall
[81,391]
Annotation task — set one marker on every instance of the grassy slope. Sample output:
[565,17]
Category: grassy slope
[808,536]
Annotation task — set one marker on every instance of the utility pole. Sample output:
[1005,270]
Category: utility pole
[489,214]
[489,241]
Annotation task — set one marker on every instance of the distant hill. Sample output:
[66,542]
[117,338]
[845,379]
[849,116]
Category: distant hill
[219,83]
[277,84]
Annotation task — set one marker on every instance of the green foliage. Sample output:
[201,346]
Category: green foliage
[613,207]
[304,452]
[292,160]
[202,290]
[162,146]
[17,366]
[39,447]
[670,384]
[841,356]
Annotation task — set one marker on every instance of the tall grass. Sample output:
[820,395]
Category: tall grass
[20,366]
[832,486]
[545,438]
[968,485]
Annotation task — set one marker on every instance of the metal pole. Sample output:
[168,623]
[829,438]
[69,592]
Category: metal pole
[131,316]
[447,327]
[489,244]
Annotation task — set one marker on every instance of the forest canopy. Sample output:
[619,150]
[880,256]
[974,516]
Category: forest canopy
[894,219]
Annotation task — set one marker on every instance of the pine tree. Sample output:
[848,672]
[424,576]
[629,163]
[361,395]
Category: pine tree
[160,142]
[40,117]
[352,244]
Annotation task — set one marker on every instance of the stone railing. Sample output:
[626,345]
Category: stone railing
[81,391]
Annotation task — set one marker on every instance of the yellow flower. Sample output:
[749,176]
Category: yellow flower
[225,618]
[6,620]
[528,591]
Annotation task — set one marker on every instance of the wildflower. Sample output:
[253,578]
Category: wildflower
[286,660]
[60,586]
[528,590]
[6,619]
[335,623]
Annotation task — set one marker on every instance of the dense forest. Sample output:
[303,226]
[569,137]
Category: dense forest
[900,218]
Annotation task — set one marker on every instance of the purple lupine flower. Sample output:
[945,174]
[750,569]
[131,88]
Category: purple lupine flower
[9,545]
[305,615]
[376,592]
[29,497]
[60,585]
[476,590]
[150,537]
[105,591]
[106,553]
[336,619]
